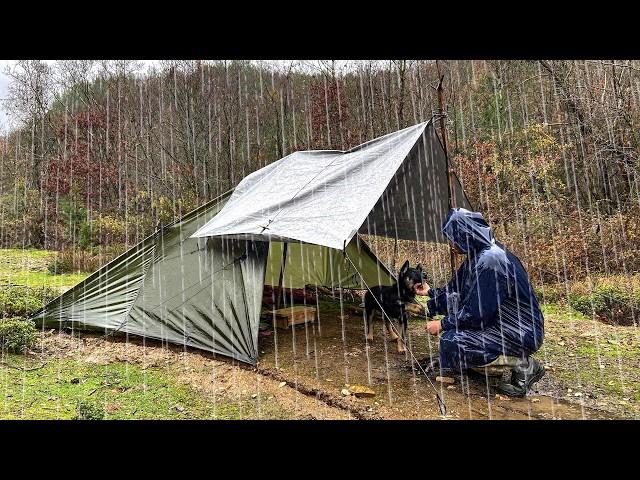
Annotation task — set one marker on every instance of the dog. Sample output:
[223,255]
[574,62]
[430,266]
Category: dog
[393,300]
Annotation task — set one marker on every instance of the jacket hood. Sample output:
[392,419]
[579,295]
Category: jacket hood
[468,230]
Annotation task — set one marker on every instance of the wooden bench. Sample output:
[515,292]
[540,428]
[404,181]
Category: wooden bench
[294,315]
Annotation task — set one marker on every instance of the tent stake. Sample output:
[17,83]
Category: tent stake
[443,134]
[281,278]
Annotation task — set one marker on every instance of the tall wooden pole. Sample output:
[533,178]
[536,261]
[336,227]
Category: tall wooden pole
[443,133]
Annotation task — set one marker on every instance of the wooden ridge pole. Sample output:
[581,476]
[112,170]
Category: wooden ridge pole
[451,200]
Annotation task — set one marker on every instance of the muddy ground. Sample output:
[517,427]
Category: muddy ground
[333,354]
[251,395]
[302,372]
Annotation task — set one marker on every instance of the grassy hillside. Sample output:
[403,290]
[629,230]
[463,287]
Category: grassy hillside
[30,267]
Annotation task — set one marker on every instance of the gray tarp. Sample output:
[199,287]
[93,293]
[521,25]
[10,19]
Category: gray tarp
[415,202]
[395,185]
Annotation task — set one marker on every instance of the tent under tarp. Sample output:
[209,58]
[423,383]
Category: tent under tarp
[201,292]
[199,281]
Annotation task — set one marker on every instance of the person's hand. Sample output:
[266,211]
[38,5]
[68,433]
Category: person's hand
[422,288]
[434,327]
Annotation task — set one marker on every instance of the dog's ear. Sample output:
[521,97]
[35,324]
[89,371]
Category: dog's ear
[405,267]
[419,266]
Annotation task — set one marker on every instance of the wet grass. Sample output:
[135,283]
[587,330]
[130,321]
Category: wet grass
[121,390]
[29,267]
[589,359]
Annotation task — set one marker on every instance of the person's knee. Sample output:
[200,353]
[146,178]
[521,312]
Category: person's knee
[450,349]
[462,350]
[451,340]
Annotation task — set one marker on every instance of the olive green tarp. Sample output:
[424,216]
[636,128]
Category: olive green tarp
[203,292]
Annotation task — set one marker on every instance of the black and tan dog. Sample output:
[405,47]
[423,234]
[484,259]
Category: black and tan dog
[393,300]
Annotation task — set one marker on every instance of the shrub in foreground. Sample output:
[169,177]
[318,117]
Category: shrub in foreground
[88,411]
[23,301]
[17,334]
[609,304]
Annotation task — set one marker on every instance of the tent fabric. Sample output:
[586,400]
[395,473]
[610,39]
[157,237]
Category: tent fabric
[325,197]
[308,264]
[209,299]
[201,292]
[104,298]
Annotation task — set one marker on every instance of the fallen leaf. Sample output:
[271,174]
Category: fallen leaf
[282,384]
[345,392]
[361,391]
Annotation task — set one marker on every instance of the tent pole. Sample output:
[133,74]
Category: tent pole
[281,278]
[443,134]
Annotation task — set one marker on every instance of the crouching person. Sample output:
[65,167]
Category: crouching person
[492,319]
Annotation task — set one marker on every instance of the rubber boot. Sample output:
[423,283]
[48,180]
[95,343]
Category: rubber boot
[522,378]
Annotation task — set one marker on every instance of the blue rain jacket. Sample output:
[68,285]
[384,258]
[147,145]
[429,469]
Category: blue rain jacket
[489,306]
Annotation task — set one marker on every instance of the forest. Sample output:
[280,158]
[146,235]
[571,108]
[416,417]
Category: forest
[102,152]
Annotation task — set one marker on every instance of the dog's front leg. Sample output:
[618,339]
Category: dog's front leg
[389,328]
[369,316]
[402,338]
